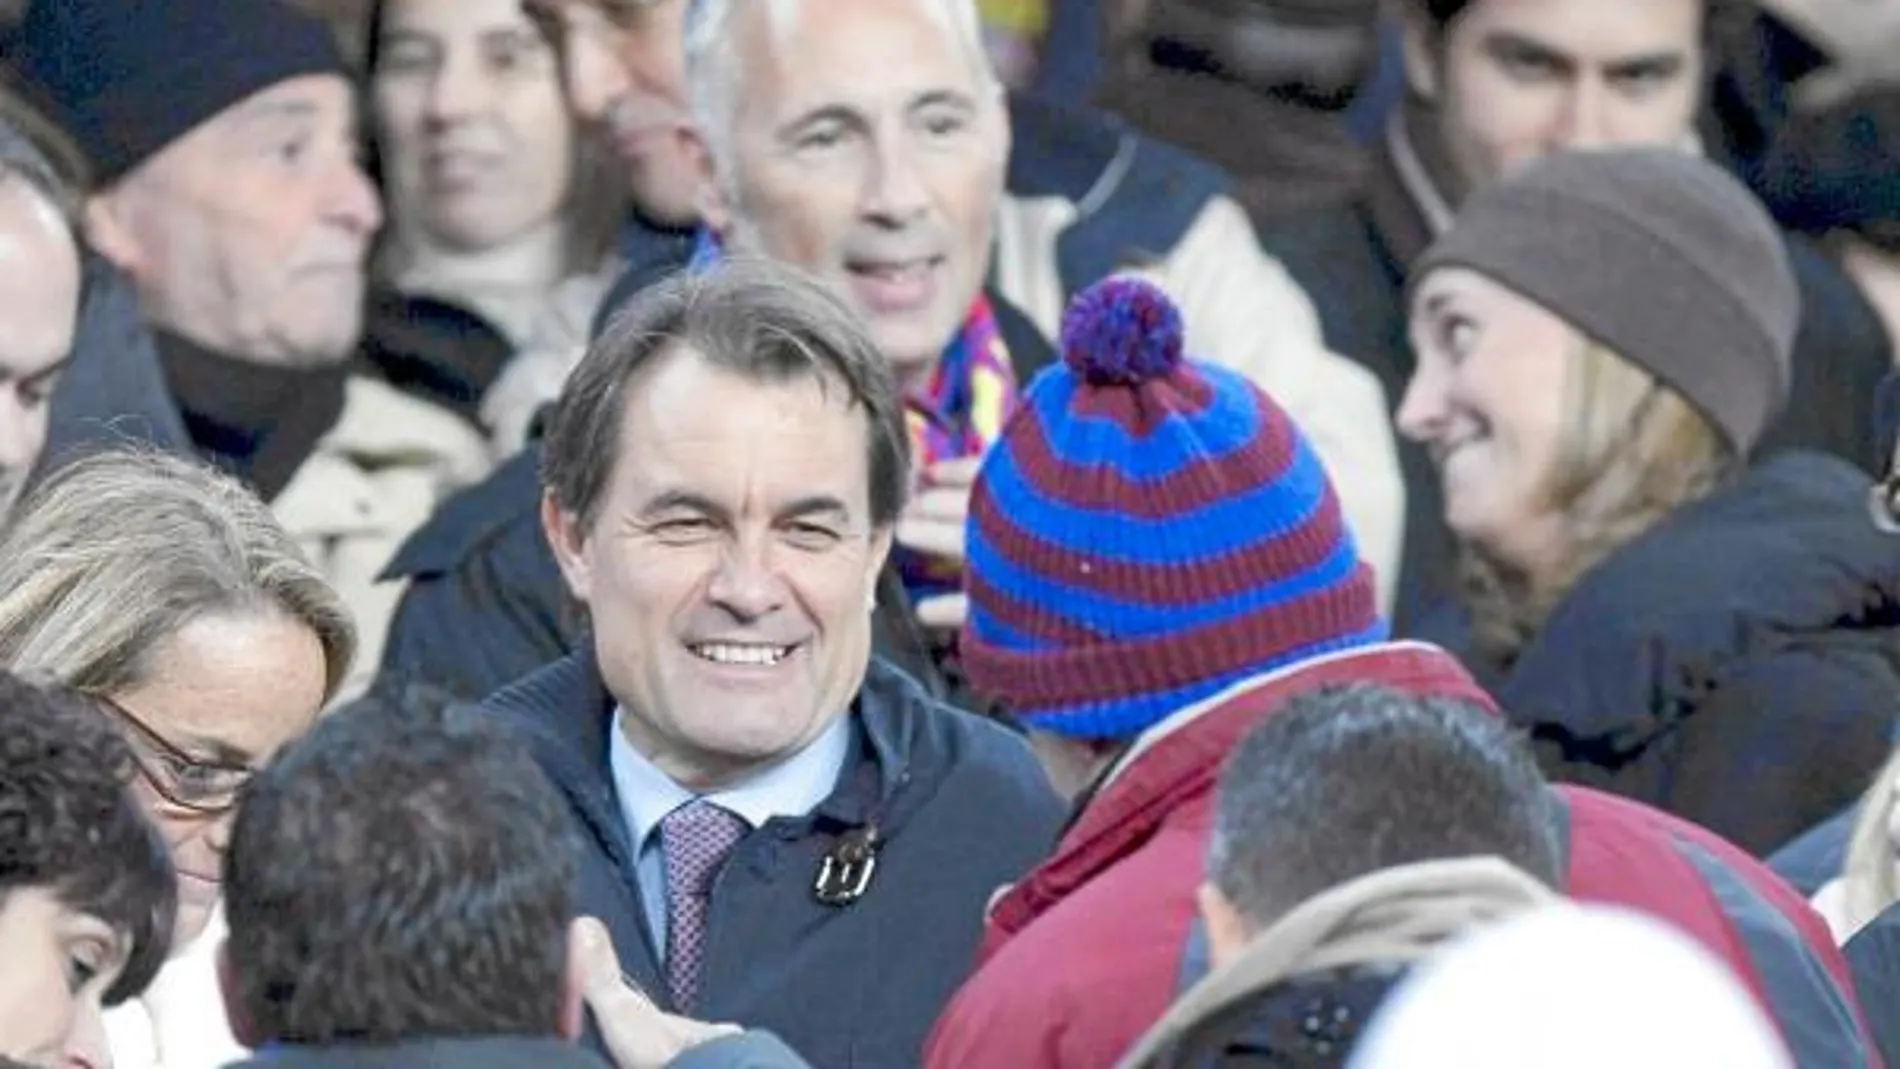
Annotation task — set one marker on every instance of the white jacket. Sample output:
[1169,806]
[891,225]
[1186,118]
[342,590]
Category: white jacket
[372,480]
[179,1022]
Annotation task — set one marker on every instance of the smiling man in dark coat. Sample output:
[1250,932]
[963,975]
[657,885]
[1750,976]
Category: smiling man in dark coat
[781,831]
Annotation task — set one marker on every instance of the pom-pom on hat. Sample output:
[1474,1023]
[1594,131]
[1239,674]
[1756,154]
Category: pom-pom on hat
[1122,333]
[1148,531]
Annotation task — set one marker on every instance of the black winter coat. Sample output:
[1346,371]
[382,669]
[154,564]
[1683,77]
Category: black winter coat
[959,804]
[1738,665]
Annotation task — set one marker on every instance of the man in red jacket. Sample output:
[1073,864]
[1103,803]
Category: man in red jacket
[1157,563]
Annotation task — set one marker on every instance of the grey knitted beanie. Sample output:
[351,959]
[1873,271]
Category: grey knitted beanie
[1658,255]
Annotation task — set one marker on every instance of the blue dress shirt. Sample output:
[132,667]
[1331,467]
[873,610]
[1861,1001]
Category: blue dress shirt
[791,788]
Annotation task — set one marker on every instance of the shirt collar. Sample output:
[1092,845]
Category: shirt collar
[791,788]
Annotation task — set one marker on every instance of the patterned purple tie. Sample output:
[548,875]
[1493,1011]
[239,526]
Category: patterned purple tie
[697,838]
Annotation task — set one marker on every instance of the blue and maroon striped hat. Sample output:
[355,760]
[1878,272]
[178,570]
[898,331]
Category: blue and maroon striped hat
[1148,531]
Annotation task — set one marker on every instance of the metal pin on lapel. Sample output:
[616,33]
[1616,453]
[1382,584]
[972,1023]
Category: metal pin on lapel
[845,872]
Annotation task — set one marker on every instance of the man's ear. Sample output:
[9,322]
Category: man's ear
[567,537]
[105,220]
[715,206]
[1422,45]
[882,539]
[1006,125]
[243,1028]
[574,988]
[1227,930]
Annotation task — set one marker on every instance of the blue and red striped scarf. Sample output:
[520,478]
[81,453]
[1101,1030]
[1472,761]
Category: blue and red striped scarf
[958,412]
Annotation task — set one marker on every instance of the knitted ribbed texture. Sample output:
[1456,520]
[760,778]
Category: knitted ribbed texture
[125,78]
[1660,256]
[1148,531]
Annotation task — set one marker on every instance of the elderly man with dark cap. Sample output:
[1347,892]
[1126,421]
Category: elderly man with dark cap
[222,141]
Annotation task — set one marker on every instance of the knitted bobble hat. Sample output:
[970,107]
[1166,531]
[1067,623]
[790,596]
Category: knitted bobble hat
[125,78]
[1660,256]
[1148,531]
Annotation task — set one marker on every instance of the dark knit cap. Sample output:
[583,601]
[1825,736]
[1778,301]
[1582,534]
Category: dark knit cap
[1656,254]
[1149,531]
[125,78]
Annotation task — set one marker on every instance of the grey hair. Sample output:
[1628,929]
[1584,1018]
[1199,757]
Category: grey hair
[712,62]
[24,159]
[118,551]
[1349,780]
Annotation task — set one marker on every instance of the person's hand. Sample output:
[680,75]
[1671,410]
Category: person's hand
[638,1034]
[943,612]
[932,524]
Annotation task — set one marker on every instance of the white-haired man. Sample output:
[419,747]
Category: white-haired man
[870,142]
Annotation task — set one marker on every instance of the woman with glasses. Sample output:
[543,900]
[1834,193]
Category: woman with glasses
[171,595]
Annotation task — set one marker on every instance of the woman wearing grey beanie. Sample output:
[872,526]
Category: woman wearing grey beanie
[1600,342]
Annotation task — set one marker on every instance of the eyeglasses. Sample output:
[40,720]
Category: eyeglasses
[205,788]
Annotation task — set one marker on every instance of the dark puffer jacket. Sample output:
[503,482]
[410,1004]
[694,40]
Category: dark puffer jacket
[959,808]
[1739,665]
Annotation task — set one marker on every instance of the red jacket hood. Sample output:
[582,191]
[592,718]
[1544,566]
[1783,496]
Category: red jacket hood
[1179,761]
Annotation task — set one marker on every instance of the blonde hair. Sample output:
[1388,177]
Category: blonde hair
[1633,452]
[1870,881]
[119,550]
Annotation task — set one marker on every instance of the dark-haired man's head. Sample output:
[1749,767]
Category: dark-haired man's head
[86,887]
[1512,80]
[400,875]
[722,478]
[1349,781]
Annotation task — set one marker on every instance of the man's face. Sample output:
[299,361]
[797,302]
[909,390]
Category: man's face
[39,303]
[247,235]
[1517,79]
[730,568]
[867,144]
[624,65]
[475,136]
[59,964]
